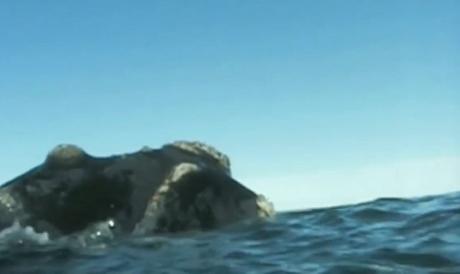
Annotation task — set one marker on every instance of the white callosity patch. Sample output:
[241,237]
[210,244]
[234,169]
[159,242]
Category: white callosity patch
[146,149]
[8,201]
[265,208]
[66,155]
[258,206]
[155,207]
[179,172]
[199,148]
[165,205]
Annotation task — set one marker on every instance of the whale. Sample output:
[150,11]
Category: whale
[181,186]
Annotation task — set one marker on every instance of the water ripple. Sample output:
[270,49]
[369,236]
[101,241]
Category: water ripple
[383,236]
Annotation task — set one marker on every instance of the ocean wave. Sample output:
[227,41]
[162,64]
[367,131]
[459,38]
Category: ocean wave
[382,236]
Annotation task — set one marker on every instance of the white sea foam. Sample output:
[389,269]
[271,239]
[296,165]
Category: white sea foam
[17,234]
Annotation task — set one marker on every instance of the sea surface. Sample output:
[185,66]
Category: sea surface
[383,236]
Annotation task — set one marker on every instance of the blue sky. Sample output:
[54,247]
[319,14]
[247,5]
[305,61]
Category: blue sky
[289,89]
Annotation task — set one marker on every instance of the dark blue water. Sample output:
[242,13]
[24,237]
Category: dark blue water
[383,236]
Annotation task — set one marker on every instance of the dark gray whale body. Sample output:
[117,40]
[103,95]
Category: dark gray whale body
[182,186]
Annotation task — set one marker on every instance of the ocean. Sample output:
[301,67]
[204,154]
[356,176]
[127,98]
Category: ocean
[383,236]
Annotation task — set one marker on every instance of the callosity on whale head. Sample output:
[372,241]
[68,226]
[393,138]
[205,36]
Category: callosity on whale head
[182,186]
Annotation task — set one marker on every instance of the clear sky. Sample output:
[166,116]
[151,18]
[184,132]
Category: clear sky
[316,102]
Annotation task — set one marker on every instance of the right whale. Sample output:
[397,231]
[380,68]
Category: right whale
[180,187]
